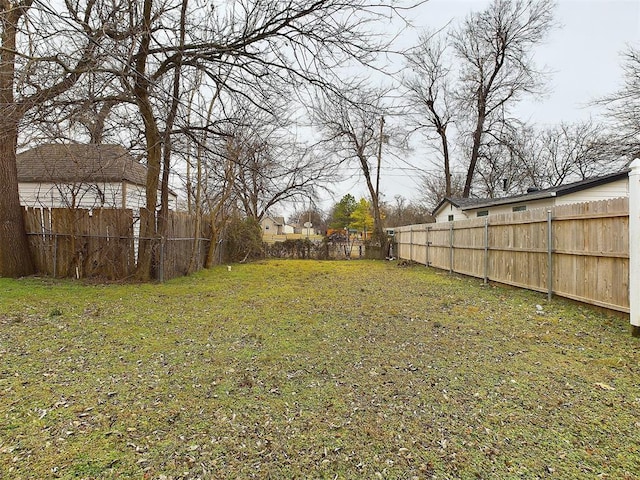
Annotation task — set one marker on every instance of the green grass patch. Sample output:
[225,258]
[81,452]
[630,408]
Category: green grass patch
[305,369]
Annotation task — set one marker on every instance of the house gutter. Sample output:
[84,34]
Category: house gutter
[498,203]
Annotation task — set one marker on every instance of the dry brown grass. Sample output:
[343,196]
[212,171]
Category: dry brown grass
[303,369]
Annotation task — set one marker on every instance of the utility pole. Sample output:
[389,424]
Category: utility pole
[379,157]
[379,234]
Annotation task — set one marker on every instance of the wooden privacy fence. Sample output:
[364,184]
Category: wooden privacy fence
[104,243]
[578,251]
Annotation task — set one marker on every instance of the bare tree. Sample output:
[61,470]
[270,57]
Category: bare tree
[433,188]
[251,49]
[309,213]
[352,131]
[211,188]
[623,109]
[505,161]
[523,157]
[403,212]
[492,68]
[40,58]
[495,47]
[271,170]
[569,152]
[429,93]
[250,164]
[88,112]
[217,194]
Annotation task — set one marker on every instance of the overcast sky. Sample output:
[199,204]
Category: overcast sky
[583,55]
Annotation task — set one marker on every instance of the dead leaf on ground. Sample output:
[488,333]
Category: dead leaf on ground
[604,386]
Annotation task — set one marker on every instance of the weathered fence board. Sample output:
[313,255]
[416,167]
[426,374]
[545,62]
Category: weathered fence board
[103,243]
[587,259]
[183,248]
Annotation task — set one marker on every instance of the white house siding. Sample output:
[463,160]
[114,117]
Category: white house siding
[105,195]
[51,195]
[498,209]
[617,189]
[458,214]
[135,196]
[269,226]
[449,209]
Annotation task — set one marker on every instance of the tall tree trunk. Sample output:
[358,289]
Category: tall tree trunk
[163,219]
[377,222]
[195,263]
[447,164]
[377,217]
[163,214]
[378,233]
[218,212]
[148,229]
[475,151]
[15,257]
[96,129]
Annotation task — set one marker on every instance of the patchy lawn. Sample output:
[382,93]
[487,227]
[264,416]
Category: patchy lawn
[304,369]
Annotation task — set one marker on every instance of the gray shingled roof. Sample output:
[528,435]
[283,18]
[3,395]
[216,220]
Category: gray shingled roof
[558,191]
[79,163]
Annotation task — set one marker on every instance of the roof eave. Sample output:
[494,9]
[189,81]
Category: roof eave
[496,202]
[593,183]
[441,204]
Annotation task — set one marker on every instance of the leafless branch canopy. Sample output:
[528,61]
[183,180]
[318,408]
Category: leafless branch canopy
[470,77]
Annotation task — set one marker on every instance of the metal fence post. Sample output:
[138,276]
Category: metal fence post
[450,247]
[55,255]
[161,266]
[411,243]
[549,254]
[634,247]
[486,250]
[428,244]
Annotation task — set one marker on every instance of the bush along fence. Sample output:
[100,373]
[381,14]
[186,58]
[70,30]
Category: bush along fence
[318,247]
[578,251]
[297,248]
[104,243]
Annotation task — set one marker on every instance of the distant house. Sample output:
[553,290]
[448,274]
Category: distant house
[301,229]
[82,176]
[614,185]
[275,226]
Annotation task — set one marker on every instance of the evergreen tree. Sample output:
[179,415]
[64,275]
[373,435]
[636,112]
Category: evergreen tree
[341,217]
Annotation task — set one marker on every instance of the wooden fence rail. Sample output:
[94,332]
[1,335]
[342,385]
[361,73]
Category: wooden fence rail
[104,243]
[578,251]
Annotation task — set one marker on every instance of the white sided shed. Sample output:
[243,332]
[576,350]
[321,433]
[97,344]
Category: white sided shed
[605,187]
[82,176]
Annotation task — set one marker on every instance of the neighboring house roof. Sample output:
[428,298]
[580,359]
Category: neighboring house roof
[79,163]
[279,221]
[558,191]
